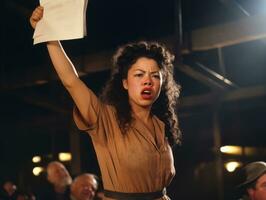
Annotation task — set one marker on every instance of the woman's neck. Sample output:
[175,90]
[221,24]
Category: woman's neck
[142,113]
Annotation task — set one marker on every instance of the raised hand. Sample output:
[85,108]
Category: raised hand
[36,16]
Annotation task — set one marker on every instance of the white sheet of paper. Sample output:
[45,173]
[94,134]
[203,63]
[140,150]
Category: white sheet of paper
[62,20]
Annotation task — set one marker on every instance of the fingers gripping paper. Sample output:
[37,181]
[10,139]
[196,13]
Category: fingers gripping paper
[62,20]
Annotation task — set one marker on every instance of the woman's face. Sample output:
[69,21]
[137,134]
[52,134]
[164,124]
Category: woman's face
[143,82]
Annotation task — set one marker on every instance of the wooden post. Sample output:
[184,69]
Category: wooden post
[74,136]
[218,156]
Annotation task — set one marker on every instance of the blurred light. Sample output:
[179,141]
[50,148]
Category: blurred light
[228,81]
[36,159]
[64,156]
[231,166]
[41,82]
[236,150]
[253,151]
[37,170]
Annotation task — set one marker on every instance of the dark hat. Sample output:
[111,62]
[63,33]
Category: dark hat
[252,171]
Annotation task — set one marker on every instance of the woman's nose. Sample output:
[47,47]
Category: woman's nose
[148,81]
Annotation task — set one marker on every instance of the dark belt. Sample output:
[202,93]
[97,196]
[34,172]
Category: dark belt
[134,196]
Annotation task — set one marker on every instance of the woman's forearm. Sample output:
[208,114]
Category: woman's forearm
[62,64]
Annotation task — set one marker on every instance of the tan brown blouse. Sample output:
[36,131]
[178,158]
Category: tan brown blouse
[131,162]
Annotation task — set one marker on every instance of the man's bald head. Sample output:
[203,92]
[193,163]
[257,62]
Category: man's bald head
[84,187]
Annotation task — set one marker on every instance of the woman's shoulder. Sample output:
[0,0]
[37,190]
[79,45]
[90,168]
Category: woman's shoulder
[109,111]
[158,120]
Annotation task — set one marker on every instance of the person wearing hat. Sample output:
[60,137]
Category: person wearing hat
[254,183]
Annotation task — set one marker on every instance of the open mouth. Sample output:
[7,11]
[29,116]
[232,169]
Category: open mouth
[146,94]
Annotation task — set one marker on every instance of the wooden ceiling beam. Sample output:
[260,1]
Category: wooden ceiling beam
[244,30]
[229,96]
[200,77]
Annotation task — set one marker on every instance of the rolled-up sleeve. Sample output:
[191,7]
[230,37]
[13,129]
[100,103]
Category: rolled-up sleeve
[94,105]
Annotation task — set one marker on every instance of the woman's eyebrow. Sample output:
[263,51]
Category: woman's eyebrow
[153,72]
[139,70]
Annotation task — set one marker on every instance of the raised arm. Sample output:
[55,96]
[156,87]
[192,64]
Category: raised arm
[67,73]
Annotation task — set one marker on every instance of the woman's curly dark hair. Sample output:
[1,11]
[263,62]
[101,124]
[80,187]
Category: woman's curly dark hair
[164,107]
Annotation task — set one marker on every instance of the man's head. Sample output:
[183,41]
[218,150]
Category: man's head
[84,187]
[255,180]
[10,188]
[58,175]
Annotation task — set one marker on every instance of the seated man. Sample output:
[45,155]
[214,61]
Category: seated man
[59,182]
[254,184]
[84,187]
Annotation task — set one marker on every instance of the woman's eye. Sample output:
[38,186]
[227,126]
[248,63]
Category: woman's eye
[156,76]
[138,75]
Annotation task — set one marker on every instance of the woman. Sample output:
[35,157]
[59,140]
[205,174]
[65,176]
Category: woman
[133,123]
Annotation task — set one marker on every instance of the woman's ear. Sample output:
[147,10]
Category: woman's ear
[125,85]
